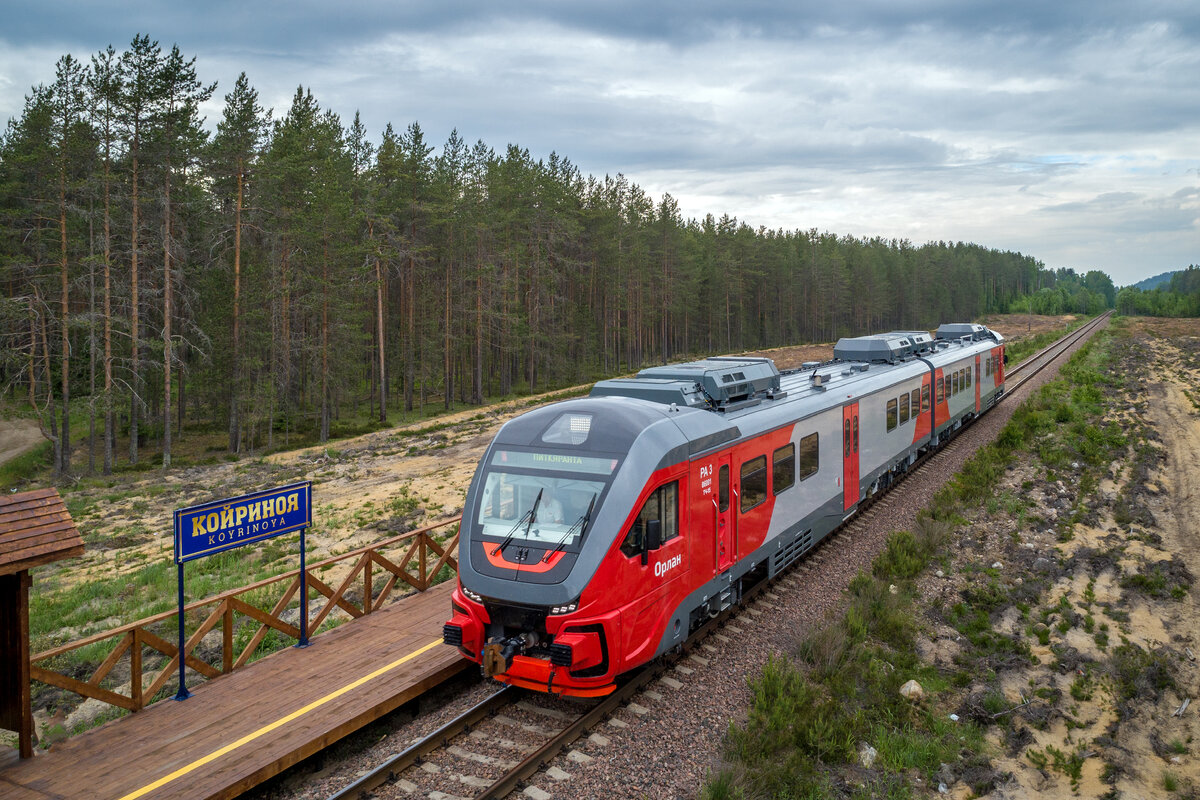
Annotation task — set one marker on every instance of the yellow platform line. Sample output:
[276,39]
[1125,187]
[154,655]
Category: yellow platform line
[213,756]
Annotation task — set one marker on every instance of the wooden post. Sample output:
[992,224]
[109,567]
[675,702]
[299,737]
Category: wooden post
[368,564]
[227,639]
[421,556]
[135,670]
[15,713]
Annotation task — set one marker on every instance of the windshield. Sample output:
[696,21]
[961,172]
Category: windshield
[543,507]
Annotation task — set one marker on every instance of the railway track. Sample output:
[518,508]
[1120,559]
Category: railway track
[513,734]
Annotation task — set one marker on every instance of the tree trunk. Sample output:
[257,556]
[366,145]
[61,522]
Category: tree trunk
[325,343]
[109,432]
[235,380]
[167,321]
[65,449]
[136,395]
[409,354]
[380,290]
[477,371]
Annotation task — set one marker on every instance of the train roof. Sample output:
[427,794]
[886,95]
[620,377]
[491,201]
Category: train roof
[756,396]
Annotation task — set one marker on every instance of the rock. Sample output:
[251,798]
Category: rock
[912,690]
[943,789]
[1043,565]
[892,589]
[997,565]
[867,755]
[954,717]
[90,712]
[940,574]
[1018,581]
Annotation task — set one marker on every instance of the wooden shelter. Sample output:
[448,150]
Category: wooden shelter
[35,529]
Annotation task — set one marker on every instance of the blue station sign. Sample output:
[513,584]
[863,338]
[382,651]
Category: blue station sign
[224,524]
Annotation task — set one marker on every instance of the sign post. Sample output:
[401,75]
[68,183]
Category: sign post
[225,524]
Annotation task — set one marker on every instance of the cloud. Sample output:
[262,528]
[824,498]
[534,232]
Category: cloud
[1065,130]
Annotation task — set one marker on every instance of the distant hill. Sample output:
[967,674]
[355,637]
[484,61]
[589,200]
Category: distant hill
[1161,279]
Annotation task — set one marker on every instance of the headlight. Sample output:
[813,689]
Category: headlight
[478,598]
[567,609]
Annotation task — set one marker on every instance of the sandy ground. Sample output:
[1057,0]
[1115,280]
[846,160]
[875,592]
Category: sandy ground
[17,436]
[1073,731]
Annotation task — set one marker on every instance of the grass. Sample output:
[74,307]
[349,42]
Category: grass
[810,710]
[15,471]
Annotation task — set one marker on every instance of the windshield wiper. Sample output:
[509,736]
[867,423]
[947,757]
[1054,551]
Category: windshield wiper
[526,520]
[581,523]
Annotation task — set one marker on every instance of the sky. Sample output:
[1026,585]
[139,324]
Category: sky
[1066,130]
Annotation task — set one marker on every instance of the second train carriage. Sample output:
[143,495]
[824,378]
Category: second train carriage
[598,533]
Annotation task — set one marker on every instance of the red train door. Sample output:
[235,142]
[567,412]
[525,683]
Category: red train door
[726,516]
[850,453]
[976,384]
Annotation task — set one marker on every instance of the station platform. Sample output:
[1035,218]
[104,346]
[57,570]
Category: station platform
[237,731]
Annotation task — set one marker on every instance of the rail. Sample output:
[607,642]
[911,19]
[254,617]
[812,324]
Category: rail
[411,560]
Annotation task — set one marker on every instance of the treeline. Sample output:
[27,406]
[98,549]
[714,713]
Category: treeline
[1066,292]
[1180,297]
[267,275]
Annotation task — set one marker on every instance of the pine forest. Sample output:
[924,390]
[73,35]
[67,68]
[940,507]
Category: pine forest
[276,277]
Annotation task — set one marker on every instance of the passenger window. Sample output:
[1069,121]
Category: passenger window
[967,375]
[783,468]
[903,408]
[723,488]
[846,439]
[663,505]
[924,398]
[856,433]
[891,414]
[941,391]
[754,483]
[809,456]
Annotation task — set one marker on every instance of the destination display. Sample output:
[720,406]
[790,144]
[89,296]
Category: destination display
[224,524]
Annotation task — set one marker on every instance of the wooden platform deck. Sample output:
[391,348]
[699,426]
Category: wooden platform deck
[243,728]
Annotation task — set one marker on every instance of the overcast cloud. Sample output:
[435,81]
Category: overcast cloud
[1069,131]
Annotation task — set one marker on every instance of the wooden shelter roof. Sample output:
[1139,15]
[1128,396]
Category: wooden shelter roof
[35,529]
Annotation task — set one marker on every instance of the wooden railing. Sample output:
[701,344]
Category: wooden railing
[412,560]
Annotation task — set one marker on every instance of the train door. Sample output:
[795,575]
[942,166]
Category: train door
[977,384]
[850,454]
[726,518]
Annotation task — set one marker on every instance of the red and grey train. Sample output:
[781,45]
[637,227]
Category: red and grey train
[597,533]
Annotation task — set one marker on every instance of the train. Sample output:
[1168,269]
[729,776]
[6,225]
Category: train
[598,533]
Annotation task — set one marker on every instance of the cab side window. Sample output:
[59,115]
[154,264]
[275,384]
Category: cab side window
[754,483]
[663,505]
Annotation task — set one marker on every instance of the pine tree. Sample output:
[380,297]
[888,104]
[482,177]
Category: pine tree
[104,86]
[69,139]
[234,155]
[139,68]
